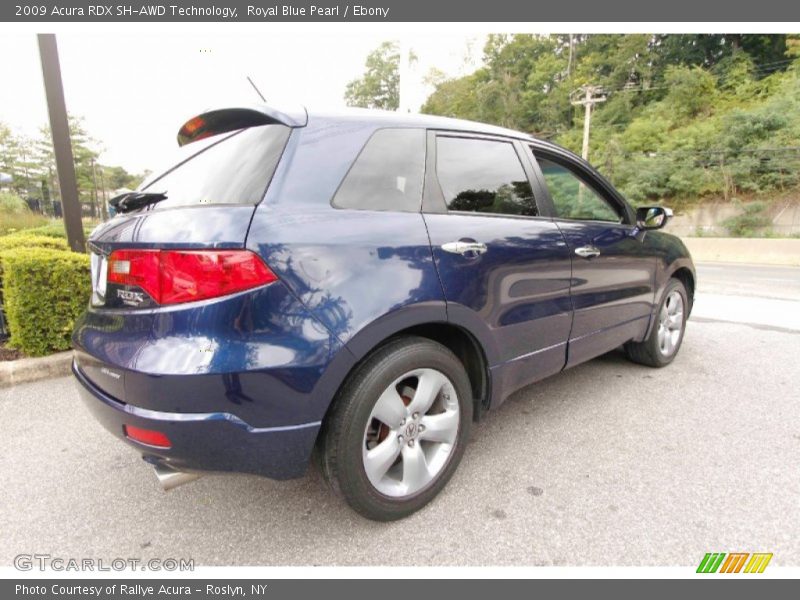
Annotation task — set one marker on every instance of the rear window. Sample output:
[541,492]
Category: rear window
[484,176]
[230,168]
[388,173]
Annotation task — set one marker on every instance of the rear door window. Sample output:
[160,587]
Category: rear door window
[230,168]
[388,173]
[484,176]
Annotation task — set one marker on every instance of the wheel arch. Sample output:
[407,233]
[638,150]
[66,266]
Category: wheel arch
[429,322]
[683,270]
[687,277]
[467,349]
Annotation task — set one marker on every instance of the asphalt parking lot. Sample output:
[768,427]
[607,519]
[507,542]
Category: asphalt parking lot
[609,463]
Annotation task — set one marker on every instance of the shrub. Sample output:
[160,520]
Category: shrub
[15,214]
[12,204]
[750,222]
[27,240]
[13,222]
[51,228]
[691,90]
[44,292]
[10,242]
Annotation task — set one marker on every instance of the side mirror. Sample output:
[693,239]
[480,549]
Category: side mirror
[652,217]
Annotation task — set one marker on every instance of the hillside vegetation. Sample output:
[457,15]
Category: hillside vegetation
[686,117]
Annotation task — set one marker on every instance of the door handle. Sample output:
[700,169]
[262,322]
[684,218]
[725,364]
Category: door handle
[587,251]
[463,248]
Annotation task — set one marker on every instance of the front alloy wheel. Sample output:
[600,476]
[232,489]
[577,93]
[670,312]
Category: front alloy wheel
[666,336]
[670,323]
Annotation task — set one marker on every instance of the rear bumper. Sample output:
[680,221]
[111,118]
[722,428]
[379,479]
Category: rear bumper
[215,441]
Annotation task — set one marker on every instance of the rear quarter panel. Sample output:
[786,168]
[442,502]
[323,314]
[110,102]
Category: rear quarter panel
[363,274]
[259,355]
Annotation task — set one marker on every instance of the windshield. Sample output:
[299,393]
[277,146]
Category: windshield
[230,168]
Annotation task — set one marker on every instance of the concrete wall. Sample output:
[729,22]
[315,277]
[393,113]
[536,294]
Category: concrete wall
[707,218]
[745,250]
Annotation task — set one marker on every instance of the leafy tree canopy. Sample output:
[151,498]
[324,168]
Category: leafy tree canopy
[686,115]
[379,87]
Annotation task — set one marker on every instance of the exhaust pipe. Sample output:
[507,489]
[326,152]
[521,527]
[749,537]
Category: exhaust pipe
[170,478]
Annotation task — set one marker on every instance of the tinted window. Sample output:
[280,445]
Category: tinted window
[483,176]
[388,173]
[574,199]
[225,169]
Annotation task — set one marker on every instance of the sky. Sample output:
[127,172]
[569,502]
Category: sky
[136,90]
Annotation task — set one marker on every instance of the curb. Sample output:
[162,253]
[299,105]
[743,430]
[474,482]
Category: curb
[13,372]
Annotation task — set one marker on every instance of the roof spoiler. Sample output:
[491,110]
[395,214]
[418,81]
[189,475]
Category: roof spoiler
[223,120]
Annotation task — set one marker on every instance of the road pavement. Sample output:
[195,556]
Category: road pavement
[609,463]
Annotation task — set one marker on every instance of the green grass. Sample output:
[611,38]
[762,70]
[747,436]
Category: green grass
[13,222]
[46,227]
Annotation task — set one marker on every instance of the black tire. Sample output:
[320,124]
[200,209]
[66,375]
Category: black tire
[342,439]
[649,352]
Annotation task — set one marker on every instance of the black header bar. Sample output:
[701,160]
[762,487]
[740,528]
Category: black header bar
[396,11]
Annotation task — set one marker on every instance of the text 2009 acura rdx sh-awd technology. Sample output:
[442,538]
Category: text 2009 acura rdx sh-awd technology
[360,286]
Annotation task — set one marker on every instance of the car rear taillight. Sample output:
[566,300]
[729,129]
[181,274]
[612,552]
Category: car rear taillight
[175,276]
[147,436]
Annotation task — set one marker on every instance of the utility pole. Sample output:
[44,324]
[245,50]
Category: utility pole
[25,169]
[94,198]
[588,96]
[571,51]
[62,145]
[404,72]
[103,206]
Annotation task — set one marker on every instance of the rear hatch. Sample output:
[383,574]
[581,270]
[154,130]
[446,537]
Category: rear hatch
[178,239]
[203,199]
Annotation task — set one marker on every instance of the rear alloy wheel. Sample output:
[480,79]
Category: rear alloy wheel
[664,341]
[398,429]
[410,433]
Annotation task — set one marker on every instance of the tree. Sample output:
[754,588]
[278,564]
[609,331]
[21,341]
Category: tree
[456,97]
[84,154]
[691,90]
[519,86]
[686,115]
[15,160]
[9,153]
[793,46]
[379,87]
[704,50]
[31,163]
[117,177]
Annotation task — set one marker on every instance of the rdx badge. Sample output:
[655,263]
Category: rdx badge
[130,298]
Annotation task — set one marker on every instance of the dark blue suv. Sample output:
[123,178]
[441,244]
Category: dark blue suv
[359,286]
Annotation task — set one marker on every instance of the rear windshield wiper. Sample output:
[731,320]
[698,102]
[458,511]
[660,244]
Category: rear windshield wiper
[132,200]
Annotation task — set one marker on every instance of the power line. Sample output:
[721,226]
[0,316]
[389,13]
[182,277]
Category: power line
[757,69]
[730,151]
